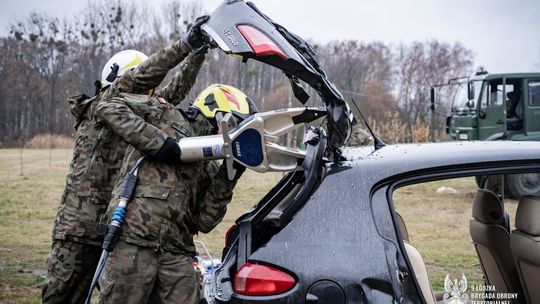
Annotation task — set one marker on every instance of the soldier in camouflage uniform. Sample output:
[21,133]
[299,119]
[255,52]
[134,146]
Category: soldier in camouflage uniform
[171,202]
[96,163]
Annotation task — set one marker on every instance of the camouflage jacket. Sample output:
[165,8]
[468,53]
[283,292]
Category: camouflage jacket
[171,201]
[359,137]
[98,152]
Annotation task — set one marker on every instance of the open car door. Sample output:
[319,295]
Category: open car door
[239,28]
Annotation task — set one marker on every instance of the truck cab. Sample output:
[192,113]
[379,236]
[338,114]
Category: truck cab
[496,106]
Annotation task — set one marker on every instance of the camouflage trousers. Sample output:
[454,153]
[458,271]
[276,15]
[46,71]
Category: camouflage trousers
[70,268]
[137,274]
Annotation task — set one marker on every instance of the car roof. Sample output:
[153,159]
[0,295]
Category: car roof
[402,158]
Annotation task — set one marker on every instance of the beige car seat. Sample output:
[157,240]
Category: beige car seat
[420,271]
[417,263]
[525,243]
[491,238]
[402,227]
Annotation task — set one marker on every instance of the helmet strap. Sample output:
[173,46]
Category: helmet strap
[97,85]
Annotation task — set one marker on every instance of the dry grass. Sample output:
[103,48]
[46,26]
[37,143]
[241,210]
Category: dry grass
[28,205]
[437,223]
[49,141]
[27,208]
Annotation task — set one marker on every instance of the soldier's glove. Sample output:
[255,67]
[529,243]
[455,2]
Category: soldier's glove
[169,152]
[195,38]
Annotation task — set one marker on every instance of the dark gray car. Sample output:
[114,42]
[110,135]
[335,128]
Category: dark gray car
[339,208]
[276,255]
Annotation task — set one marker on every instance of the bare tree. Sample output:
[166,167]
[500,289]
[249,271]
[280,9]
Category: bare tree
[48,39]
[46,59]
[363,72]
[420,65]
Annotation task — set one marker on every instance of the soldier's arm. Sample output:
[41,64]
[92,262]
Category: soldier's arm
[126,120]
[216,192]
[150,73]
[182,82]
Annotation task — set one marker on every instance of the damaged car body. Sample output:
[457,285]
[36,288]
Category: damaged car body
[290,246]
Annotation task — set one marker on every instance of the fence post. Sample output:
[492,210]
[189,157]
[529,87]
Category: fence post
[21,172]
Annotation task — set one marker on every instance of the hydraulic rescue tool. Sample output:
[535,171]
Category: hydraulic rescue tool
[252,143]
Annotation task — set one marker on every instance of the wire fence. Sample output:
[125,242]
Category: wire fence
[24,161]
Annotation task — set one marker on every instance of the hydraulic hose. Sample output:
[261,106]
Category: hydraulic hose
[114,229]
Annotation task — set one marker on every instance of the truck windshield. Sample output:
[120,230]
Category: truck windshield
[459,105]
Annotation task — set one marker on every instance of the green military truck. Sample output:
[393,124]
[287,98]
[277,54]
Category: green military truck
[497,107]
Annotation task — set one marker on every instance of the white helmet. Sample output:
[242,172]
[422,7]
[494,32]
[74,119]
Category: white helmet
[120,63]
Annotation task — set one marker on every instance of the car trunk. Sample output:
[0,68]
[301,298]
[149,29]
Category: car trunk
[239,28]
[269,216]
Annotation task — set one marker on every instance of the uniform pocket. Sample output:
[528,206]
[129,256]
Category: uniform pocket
[148,209]
[94,196]
[153,191]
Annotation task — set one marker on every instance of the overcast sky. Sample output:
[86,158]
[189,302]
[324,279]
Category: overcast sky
[504,35]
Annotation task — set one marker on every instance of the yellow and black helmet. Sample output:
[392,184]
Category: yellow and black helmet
[218,99]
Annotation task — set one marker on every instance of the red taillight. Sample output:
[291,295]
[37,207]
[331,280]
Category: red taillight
[260,280]
[259,42]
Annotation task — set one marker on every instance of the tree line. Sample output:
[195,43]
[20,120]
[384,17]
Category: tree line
[47,58]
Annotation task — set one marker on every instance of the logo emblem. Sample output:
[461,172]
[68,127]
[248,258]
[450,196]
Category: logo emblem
[238,150]
[229,35]
[455,291]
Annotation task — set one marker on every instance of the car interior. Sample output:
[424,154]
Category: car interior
[525,245]
[417,263]
[509,258]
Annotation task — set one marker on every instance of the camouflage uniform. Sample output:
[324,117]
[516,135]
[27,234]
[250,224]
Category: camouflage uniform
[97,159]
[359,137]
[171,203]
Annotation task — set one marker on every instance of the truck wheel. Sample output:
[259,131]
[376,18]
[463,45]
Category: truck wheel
[519,185]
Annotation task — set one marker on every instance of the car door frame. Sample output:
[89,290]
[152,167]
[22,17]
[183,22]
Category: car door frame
[391,184]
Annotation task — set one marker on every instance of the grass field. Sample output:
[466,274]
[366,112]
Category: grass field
[438,224]
[28,205]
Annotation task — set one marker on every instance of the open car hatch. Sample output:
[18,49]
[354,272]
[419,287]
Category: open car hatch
[239,28]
